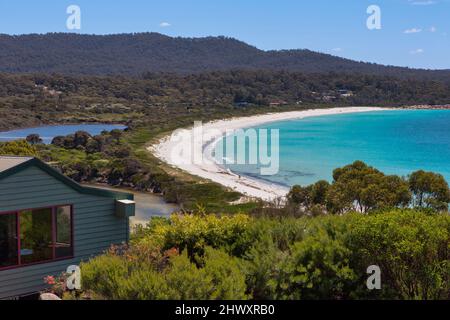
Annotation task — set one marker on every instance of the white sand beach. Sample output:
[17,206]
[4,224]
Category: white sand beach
[250,187]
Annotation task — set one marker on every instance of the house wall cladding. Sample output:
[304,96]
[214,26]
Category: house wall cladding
[94,223]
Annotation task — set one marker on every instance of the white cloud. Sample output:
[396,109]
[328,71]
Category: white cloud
[422,2]
[433,29]
[337,49]
[413,30]
[164,24]
[417,51]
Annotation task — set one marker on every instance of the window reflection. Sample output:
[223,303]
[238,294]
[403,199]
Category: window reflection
[8,240]
[63,245]
[35,235]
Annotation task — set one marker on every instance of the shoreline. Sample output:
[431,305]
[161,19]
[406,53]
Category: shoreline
[47,139]
[248,186]
[57,124]
[63,124]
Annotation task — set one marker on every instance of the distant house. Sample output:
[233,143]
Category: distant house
[49,222]
[278,103]
[328,98]
[345,93]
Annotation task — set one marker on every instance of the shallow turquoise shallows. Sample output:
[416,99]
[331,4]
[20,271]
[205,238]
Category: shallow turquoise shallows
[396,142]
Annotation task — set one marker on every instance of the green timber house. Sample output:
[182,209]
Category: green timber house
[48,222]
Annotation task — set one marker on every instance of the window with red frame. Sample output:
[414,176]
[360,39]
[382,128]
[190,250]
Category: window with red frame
[35,235]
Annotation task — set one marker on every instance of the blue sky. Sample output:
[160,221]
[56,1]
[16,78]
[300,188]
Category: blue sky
[414,33]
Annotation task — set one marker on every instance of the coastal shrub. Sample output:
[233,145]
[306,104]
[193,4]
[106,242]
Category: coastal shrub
[238,257]
[330,259]
[412,249]
[190,194]
[195,232]
[227,275]
[130,275]
[18,148]
[313,264]
[219,278]
[281,231]
[318,268]
[105,275]
[263,263]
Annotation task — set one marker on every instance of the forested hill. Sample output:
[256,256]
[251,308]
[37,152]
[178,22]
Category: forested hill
[134,54]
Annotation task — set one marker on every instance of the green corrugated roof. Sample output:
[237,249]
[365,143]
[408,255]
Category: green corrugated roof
[12,165]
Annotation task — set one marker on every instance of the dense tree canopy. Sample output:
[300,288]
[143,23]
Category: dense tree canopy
[132,54]
[429,190]
[359,187]
[164,99]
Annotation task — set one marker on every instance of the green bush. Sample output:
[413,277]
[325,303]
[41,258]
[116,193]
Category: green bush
[318,268]
[263,263]
[411,248]
[238,257]
[219,278]
[195,232]
[134,275]
[18,148]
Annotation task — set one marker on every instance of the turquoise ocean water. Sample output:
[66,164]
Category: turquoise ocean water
[396,142]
